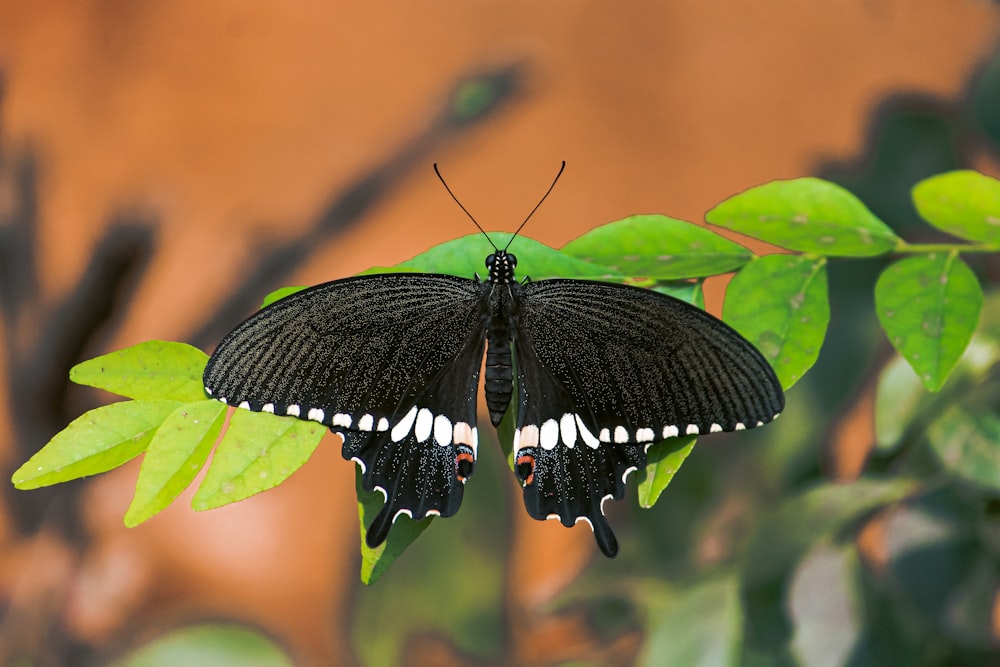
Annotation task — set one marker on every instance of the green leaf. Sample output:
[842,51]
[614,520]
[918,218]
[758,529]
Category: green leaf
[258,452]
[95,442]
[152,370]
[780,304]
[967,440]
[658,247]
[929,307]
[825,605]
[691,292]
[375,562]
[965,204]
[784,536]
[902,402]
[465,257]
[808,215]
[664,460]
[281,293]
[174,457]
[899,399]
[700,628]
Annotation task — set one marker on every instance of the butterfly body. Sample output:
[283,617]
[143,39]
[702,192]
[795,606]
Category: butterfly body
[392,363]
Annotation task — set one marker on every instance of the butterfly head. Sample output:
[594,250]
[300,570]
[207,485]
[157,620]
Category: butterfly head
[501,267]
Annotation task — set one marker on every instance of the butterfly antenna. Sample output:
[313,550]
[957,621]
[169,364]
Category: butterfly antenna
[445,184]
[554,181]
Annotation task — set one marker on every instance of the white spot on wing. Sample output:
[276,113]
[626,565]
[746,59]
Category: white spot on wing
[621,435]
[402,512]
[529,436]
[583,518]
[692,429]
[208,390]
[425,422]
[740,426]
[360,463]
[628,471]
[604,435]
[432,513]
[604,500]
[403,426]
[714,428]
[585,433]
[383,424]
[644,435]
[385,494]
[341,419]
[442,431]
[268,407]
[245,405]
[549,434]
[316,415]
[464,434]
[567,430]
[293,410]
[671,431]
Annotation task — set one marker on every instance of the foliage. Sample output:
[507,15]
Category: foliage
[937,417]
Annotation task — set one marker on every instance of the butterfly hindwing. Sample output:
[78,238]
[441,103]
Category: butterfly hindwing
[421,463]
[390,361]
[606,370]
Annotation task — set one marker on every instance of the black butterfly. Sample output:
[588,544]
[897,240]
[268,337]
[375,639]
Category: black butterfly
[392,363]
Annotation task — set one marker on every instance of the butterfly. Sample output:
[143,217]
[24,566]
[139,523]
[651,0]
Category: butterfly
[392,363]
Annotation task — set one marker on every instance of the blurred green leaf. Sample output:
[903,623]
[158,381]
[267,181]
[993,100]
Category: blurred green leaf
[902,399]
[808,215]
[97,441]
[825,606]
[700,628]
[931,550]
[208,644]
[664,460]
[658,247]
[898,400]
[258,452]
[780,304]
[783,537]
[174,457]
[375,562]
[970,611]
[929,306]
[963,203]
[967,440]
[154,370]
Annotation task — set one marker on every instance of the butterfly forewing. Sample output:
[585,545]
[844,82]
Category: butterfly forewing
[391,361]
[606,370]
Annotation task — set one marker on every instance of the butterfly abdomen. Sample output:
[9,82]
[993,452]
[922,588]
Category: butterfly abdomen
[499,365]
